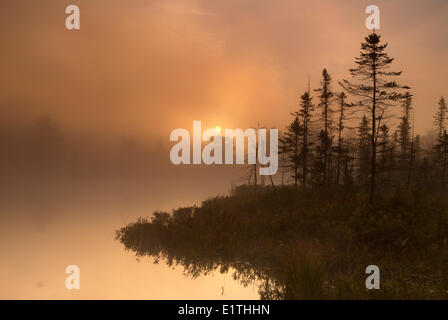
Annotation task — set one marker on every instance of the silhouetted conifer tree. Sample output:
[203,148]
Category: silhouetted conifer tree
[375,92]
[325,97]
[304,114]
[291,146]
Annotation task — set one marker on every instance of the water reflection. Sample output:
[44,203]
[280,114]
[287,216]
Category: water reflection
[151,238]
[34,260]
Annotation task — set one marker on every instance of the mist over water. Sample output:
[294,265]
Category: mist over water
[39,241]
[34,262]
[63,197]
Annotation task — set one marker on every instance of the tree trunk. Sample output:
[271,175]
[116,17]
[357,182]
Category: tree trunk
[338,169]
[373,170]
[305,155]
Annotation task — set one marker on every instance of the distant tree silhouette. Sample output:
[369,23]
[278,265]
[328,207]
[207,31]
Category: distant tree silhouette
[291,146]
[305,114]
[404,128]
[283,151]
[364,151]
[341,100]
[385,161]
[441,146]
[326,140]
[404,136]
[441,117]
[442,151]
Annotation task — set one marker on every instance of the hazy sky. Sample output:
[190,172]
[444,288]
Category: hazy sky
[152,66]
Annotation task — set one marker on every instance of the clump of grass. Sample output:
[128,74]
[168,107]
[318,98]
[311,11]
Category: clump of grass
[303,272]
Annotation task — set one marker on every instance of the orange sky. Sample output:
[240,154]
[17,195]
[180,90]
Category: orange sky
[148,67]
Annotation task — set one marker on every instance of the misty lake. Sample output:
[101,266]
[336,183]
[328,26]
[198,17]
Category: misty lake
[34,258]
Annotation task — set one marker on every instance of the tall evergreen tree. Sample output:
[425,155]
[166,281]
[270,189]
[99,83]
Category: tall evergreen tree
[283,150]
[442,152]
[375,92]
[441,117]
[325,96]
[305,113]
[404,129]
[441,147]
[444,147]
[291,145]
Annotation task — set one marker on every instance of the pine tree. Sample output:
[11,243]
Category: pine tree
[444,157]
[405,129]
[325,97]
[291,146]
[441,147]
[283,151]
[305,113]
[442,151]
[441,117]
[375,92]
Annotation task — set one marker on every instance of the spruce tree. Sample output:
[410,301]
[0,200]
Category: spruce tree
[441,147]
[376,93]
[305,113]
[291,146]
[441,117]
[325,97]
[404,129]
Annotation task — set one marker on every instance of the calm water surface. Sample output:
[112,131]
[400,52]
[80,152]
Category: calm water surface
[35,255]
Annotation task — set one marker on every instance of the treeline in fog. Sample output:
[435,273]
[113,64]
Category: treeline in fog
[361,132]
